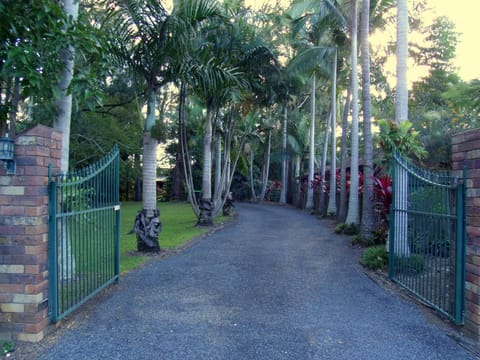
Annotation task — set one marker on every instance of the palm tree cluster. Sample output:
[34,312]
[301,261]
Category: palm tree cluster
[240,97]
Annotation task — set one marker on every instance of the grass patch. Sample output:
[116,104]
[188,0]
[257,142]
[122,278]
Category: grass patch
[178,227]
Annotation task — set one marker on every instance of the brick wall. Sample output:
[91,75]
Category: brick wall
[466,152]
[24,235]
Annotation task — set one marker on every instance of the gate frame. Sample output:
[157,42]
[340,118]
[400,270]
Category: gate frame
[460,238]
[55,314]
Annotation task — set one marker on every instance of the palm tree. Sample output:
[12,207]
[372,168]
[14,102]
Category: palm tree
[332,200]
[146,45]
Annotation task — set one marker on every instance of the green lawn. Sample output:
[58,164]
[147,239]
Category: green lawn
[178,227]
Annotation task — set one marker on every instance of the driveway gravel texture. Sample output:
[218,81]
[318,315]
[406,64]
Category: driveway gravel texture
[277,283]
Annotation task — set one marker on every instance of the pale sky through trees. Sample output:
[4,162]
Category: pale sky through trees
[464,14]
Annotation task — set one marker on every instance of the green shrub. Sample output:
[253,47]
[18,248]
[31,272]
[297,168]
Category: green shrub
[347,229]
[340,228]
[7,347]
[375,257]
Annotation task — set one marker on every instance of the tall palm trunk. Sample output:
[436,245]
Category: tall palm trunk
[342,211]
[323,168]
[368,220]
[283,191]
[252,183]
[147,222]
[266,166]
[332,200]
[218,163]
[353,206]
[311,160]
[401,114]
[206,204]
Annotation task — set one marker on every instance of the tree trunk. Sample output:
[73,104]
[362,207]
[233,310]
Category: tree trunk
[323,169]
[266,166]
[353,206]
[342,212]
[401,114]
[311,160]
[401,104]
[147,222]
[332,200]
[252,183]
[218,164]
[178,186]
[206,204]
[62,123]
[64,102]
[283,191]
[368,219]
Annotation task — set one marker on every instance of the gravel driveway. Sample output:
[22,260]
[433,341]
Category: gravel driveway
[276,284]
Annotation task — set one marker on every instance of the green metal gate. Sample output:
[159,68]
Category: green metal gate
[427,236]
[84,220]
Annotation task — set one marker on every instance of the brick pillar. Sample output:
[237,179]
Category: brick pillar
[24,235]
[466,152]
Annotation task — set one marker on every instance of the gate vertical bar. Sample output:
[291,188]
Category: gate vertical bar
[52,247]
[117,210]
[391,245]
[460,253]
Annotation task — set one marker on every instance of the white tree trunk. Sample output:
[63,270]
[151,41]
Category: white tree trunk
[218,165]
[352,214]
[368,221]
[323,168]
[311,159]
[149,170]
[252,182]
[332,200]
[401,114]
[207,207]
[266,166]
[401,104]
[62,123]
[283,191]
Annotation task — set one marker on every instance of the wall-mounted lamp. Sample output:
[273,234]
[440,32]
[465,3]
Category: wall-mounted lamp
[7,147]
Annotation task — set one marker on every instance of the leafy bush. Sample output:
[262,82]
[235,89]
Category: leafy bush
[7,347]
[339,228]
[375,257]
[347,229]
[362,241]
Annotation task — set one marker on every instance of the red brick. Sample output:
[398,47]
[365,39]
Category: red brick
[471,278]
[36,288]
[36,211]
[11,250]
[35,250]
[29,318]
[36,328]
[12,288]
[37,189]
[37,229]
[473,269]
[13,210]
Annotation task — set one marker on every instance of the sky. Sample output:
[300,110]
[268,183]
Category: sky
[464,14]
